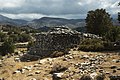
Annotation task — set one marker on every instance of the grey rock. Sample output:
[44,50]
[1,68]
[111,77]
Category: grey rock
[113,67]
[114,77]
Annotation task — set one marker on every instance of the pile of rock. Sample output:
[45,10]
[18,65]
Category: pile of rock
[92,36]
[57,39]
[62,30]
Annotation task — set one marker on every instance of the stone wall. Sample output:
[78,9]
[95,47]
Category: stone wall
[57,39]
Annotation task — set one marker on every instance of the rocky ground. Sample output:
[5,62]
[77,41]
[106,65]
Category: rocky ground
[68,67]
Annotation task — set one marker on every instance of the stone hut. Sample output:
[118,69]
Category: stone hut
[56,39]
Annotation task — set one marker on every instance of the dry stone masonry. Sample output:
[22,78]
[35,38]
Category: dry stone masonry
[57,39]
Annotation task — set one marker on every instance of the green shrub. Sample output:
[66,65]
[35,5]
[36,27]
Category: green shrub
[110,46]
[97,45]
[91,45]
[7,47]
[0,57]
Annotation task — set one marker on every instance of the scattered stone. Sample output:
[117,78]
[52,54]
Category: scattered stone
[114,71]
[113,67]
[58,68]
[118,68]
[17,59]
[37,72]
[2,79]
[28,67]
[17,71]
[86,77]
[85,57]
[30,74]
[100,77]
[23,71]
[93,75]
[101,70]
[114,77]
[115,60]
[57,76]
[33,79]
[107,72]
[36,65]
[42,61]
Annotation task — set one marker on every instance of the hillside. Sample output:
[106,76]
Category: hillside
[52,22]
[16,22]
[47,21]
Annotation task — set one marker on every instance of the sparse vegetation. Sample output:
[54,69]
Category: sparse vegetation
[7,47]
[91,45]
[113,34]
[97,45]
[3,37]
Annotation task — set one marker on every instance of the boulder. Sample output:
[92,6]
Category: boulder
[93,75]
[115,60]
[30,74]
[37,72]
[17,71]
[86,77]
[114,71]
[86,57]
[33,79]
[113,67]
[57,76]
[114,77]
[2,79]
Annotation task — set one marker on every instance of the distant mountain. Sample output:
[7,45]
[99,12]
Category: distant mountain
[20,22]
[48,22]
[53,22]
[115,22]
[16,22]
[44,29]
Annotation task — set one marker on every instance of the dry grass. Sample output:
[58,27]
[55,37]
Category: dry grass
[10,66]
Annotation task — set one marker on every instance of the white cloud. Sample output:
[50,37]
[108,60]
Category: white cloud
[24,16]
[11,3]
[59,8]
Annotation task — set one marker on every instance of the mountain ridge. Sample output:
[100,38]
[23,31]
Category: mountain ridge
[47,21]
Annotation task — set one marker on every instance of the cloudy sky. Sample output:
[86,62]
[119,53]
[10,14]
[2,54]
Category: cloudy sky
[30,9]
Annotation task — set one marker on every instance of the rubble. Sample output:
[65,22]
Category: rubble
[57,76]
